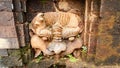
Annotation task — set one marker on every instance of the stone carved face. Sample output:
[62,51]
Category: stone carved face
[69,29]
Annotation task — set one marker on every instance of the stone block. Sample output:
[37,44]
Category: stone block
[3,52]
[9,43]
[110,5]
[7,31]
[20,29]
[24,5]
[109,8]
[12,60]
[17,6]
[110,23]
[27,36]
[6,5]
[6,19]
[19,17]
[107,49]
[21,35]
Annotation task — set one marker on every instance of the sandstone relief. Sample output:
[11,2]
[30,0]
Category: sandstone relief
[56,33]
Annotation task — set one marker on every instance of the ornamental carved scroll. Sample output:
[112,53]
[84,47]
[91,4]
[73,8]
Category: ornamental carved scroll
[56,33]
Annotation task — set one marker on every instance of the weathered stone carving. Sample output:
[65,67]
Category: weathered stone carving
[55,33]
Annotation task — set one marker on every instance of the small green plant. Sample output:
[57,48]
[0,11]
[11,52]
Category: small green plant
[84,49]
[25,49]
[71,58]
[84,52]
[54,66]
[78,36]
[39,58]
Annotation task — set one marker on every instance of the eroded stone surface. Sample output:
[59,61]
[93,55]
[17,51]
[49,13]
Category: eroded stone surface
[6,19]
[108,33]
[12,60]
[6,5]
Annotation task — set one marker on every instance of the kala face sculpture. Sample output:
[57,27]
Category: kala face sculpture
[55,33]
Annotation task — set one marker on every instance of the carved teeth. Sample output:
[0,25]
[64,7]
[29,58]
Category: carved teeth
[57,46]
[37,52]
[44,38]
[71,38]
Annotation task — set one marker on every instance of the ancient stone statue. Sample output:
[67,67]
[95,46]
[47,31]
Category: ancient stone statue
[55,32]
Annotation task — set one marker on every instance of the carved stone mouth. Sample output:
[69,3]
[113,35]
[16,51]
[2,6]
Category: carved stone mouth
[72,45]
[57,46]
[65,47]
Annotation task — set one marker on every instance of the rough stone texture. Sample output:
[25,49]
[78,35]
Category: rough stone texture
[108,43]
[6,19]
[8,34]
[3,52]
[40,6]
[66,5]
[107,38]
[26,32]
[17,5]
[73,6]
[34,7]
[6,5]
[8,31]
[92,27]
[30,16]
[9,43]
[19,17]
[13,59]
[21,35]
[41,64]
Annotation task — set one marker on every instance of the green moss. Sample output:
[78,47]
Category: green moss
[43,1]
[14,52]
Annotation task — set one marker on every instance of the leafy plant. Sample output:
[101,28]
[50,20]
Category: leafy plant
[78,36]
[71,58]
[84,52]
[54,66]
[38,59]
[25,49]
[84,49]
